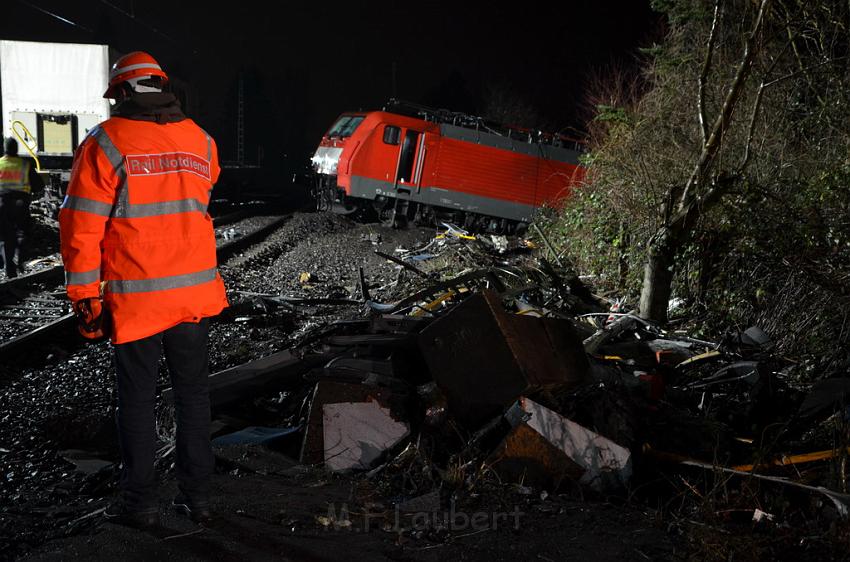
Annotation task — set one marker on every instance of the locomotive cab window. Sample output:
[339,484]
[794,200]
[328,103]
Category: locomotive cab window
[405,161]
[391,134]
[345,126]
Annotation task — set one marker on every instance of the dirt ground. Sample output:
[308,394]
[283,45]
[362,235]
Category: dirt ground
[278,517]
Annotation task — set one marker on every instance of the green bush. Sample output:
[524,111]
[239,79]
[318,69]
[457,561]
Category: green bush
[776,250]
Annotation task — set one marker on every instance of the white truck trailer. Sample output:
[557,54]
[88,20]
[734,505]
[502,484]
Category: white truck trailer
[52,95]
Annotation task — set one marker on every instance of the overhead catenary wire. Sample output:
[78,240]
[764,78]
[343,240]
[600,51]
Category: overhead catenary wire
[55,16]
[133,17]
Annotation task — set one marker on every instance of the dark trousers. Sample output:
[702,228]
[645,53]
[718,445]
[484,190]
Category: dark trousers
[14,222]
[137,366]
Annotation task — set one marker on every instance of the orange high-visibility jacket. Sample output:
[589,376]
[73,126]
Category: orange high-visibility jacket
[135,217]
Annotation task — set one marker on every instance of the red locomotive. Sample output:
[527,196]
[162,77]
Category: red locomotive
[408,162]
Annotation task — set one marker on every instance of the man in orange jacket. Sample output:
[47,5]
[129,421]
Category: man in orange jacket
[139,249]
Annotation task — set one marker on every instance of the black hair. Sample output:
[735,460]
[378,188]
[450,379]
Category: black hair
[10,146]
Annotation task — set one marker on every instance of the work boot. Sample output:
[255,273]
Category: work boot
[197,511]
[119,514]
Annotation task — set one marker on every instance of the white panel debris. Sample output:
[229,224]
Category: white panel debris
[357,434]
[606,464]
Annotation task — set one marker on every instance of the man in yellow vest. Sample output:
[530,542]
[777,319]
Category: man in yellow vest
[18,178]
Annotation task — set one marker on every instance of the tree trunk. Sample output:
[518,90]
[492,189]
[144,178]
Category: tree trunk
[658,277]
[623,258]
[658,274]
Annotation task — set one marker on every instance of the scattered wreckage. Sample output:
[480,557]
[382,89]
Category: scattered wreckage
[515,371]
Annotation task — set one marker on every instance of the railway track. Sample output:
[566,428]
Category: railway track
[34,307]
[55,274]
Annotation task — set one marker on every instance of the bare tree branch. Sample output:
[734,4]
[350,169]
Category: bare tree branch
[703,77]
[792,37]
[803,71]
[721,124]
[757,104]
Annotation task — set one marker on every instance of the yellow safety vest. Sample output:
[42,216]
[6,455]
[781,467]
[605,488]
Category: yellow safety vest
[15,173]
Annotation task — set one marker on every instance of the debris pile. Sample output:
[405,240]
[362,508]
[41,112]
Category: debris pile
[481,362]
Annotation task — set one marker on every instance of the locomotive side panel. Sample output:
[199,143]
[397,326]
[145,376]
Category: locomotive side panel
[484,172]
[501,176]
[560,173]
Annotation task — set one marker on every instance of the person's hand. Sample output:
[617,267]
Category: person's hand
[90,318]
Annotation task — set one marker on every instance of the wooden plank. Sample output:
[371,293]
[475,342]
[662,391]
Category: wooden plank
[253,377]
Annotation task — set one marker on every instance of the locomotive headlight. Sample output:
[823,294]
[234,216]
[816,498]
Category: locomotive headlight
[326,160]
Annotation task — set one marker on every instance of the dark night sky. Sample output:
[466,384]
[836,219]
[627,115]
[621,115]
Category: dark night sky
[303,63]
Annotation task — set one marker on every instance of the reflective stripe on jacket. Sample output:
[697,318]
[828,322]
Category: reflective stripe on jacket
[15,174]
[135,217]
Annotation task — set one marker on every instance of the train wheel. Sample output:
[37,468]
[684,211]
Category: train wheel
[400,213]
[521,229]
[425,216]
[346,207]
[380,210]
[399,220]
[469,221]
